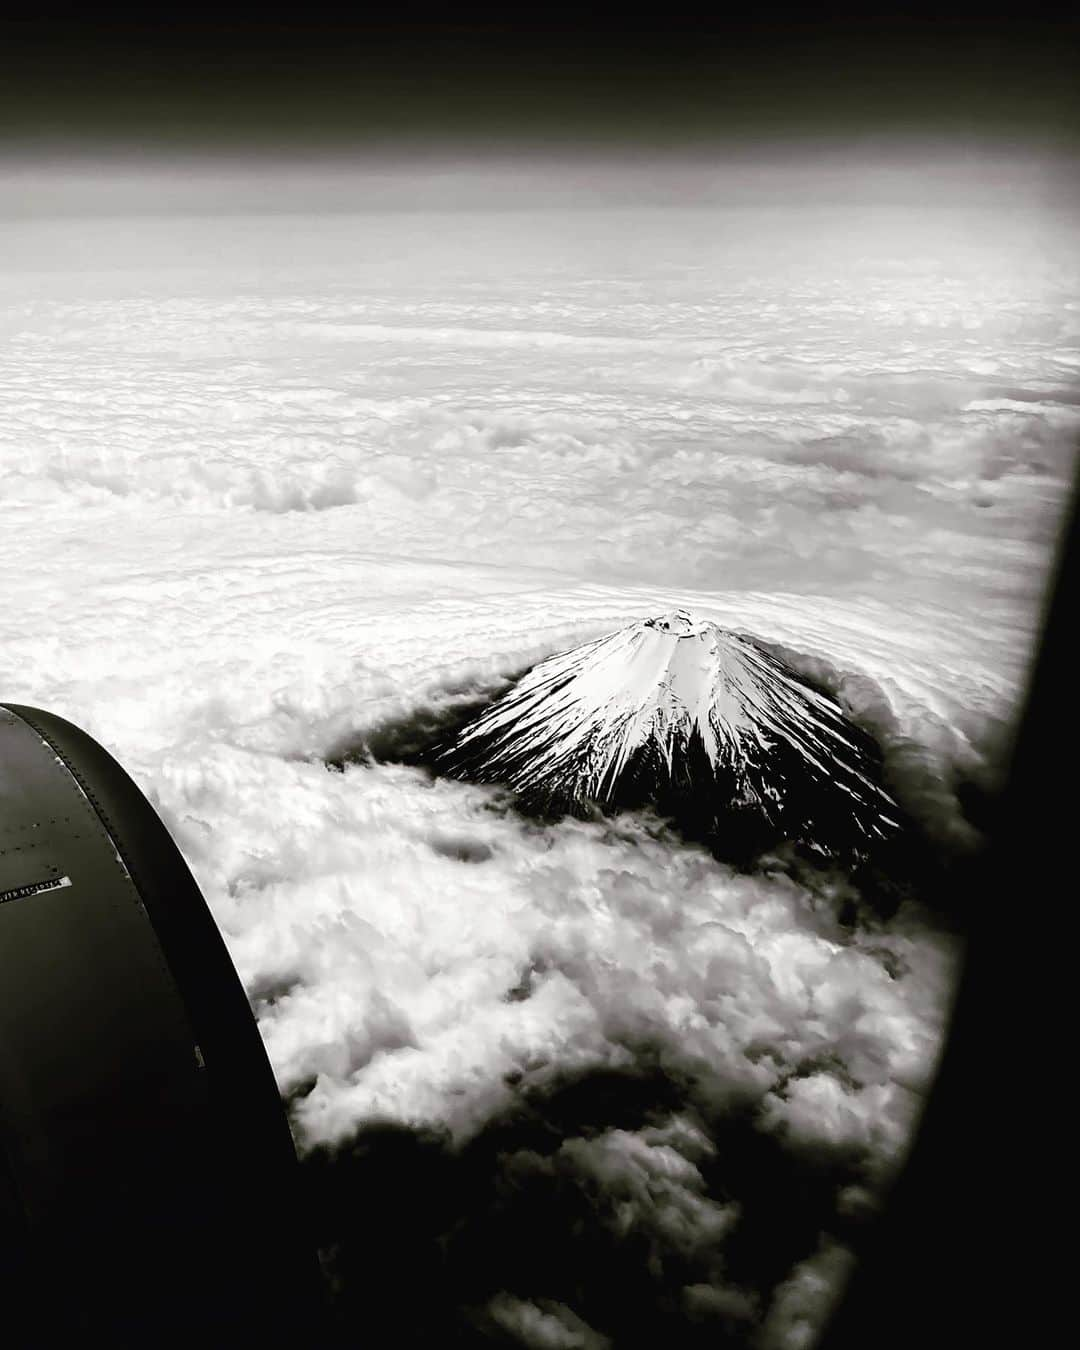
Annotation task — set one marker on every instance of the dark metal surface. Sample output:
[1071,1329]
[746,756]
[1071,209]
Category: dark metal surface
[147,1176]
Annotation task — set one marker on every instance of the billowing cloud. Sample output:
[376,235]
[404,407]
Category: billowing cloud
[804,1300]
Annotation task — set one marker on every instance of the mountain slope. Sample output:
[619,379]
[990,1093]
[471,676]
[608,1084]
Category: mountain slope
[700,723]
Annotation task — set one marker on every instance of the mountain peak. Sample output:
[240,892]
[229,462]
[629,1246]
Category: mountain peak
[700,723]
[679,623]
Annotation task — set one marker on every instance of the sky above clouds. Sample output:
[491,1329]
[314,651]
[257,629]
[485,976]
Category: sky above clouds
[299,455]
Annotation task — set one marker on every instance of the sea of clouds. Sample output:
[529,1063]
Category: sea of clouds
[279,493]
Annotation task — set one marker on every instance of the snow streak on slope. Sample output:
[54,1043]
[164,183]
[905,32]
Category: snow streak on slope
[676,707]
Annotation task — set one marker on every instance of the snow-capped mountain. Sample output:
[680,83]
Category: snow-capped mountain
[698,722]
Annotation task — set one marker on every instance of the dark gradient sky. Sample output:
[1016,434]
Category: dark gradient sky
[179,81]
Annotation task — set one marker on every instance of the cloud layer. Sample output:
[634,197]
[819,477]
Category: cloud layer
[758,401]
[277,490]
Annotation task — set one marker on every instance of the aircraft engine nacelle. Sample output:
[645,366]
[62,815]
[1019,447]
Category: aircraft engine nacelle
[148,1182]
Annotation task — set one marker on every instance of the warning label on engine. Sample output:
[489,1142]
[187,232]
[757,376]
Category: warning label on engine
[34,888]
